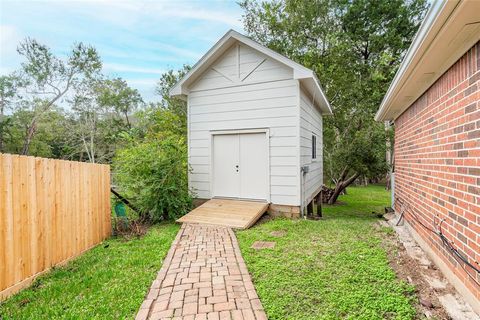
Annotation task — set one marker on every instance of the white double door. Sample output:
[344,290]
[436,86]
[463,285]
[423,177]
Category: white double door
[240,166]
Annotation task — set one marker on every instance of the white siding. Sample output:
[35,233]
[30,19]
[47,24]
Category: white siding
[250,92]
[310,123]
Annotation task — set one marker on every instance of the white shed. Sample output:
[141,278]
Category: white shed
[254,126]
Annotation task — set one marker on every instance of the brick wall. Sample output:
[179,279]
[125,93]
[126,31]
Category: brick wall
[437,164]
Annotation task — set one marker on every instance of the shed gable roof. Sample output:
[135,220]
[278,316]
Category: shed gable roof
[306,76]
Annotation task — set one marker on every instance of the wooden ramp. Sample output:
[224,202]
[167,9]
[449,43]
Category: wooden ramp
[230,213]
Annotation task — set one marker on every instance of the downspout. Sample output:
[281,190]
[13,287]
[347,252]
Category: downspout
[302,179]
[303,173]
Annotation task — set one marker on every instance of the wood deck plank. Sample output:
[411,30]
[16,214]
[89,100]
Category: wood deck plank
[231,213]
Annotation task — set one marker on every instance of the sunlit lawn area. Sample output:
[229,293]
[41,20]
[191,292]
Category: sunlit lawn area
[107,282]
[335,268]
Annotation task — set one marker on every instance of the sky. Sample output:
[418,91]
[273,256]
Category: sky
[137,39]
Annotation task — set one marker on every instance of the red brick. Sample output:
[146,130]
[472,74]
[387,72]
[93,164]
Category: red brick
[190,308]
[437,161]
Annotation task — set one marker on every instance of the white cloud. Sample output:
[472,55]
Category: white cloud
[129,12]
[143,82]
[118,67]
[190,12]
[146,87]
[10,37]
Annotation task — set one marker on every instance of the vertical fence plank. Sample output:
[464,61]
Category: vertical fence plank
[75,213]
[62,211]
[32,217]
[8,249]
[104,202]
[17,219]
[2,223]
[100,212]
[24,231]
[104,198]
[49,212]
[40,202]
[57,241]
[81,207]
[91,232]
[94,203]
[108,211]
[69,212]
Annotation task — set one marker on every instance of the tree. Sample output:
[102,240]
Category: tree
[86,117]
[175,105]
[47,78]
[355,48]
[51,135]
[8,94]
[102,110]
[153,173]
[152,168]
[117,95]
[32,101]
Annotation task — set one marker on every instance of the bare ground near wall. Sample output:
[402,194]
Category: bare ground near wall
[433,290]
[408,269]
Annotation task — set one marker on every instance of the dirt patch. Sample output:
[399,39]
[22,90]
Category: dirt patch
[128,229]
[264,219]
[259,245]
[428,281]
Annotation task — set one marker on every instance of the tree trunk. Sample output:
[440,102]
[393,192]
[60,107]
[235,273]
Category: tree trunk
[29,136]
[33,125]
[128,203]
[128,120]
[341,186]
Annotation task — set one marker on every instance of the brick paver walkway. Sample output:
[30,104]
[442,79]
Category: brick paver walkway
[203,277]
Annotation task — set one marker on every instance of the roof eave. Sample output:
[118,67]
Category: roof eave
[419,38]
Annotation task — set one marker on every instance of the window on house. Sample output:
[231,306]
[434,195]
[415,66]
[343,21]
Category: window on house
[314,146]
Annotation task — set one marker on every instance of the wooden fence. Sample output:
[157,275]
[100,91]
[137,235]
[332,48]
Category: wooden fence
[50,211]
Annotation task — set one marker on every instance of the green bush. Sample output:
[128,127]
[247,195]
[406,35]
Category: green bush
[153,174]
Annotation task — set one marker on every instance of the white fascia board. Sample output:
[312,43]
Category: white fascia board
[324,98]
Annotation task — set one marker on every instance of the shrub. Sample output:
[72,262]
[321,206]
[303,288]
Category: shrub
[153,174]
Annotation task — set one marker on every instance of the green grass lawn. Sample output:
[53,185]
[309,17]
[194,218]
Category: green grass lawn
[107,282]
[335,268]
